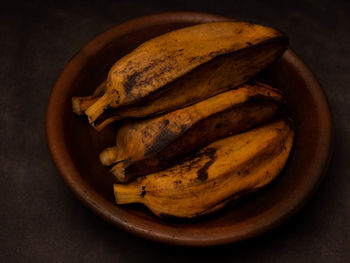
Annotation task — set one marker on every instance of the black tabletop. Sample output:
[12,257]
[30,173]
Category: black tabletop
[42,221]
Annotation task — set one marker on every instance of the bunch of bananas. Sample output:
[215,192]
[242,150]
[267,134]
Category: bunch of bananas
[199,131]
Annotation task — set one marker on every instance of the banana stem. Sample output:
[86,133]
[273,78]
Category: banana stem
[81,104]
[128,193]
[100,126]
[99,107]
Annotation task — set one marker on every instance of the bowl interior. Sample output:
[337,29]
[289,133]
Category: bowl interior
[80,144]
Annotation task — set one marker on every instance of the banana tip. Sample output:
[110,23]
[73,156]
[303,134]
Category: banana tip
[119,173]
[76,106]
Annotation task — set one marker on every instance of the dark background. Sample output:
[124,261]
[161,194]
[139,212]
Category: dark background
[42,221]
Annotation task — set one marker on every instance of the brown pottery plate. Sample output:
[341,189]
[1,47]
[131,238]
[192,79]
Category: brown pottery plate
[75,146]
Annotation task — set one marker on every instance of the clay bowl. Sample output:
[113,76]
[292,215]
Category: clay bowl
[75,146]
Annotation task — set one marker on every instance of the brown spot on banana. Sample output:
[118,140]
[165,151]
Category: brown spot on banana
[202,173]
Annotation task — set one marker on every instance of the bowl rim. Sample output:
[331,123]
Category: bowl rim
[103,208]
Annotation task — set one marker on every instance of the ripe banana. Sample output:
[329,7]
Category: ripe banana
[185,66]
[149,145]
[220,173]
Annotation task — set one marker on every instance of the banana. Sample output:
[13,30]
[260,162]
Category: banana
[185,66]
[148,145]
[220,173]
[81,104]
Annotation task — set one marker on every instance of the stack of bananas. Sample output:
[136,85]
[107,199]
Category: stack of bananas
[198,131]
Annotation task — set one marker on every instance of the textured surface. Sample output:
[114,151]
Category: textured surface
[42,221]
